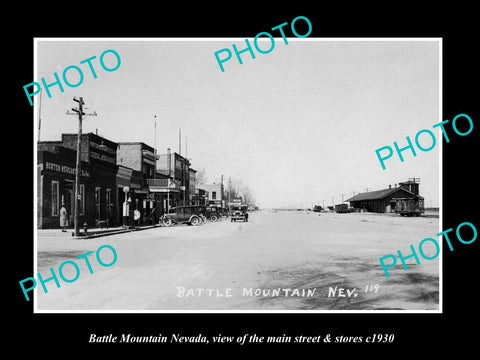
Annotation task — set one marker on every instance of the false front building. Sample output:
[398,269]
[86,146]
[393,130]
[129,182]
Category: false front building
[56,169]
[136,165]
[172,182]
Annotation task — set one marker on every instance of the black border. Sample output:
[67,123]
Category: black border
[413,332]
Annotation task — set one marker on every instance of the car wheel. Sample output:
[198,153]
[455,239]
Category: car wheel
[213,218]
[194,221]
[167,222]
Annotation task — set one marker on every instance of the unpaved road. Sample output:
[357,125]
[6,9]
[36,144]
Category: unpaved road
[273,251]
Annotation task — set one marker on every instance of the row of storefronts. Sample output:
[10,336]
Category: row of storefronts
[112,175]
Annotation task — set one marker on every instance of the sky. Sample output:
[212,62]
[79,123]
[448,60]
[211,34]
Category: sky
[299,125]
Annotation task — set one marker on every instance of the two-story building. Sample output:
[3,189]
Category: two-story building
[56,169]
[214,193]
[176,169]
[137,160]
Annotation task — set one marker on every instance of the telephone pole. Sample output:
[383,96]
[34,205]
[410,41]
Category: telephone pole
[155,149]
[179,141]
[222,200]
[78,170]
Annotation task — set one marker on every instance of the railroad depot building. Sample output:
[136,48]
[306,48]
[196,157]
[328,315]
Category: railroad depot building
[56,168]
[381,201]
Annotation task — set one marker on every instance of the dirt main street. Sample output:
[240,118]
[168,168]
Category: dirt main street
[276,261]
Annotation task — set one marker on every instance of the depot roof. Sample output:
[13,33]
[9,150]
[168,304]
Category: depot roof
[378,194]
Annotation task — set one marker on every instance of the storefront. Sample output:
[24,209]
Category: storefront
[56,164]
[56,187]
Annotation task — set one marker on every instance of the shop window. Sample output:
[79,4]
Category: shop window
[178,164]
[108,196]
[108,199]
[55,198]
[81,194]
[214,195]
[97,203]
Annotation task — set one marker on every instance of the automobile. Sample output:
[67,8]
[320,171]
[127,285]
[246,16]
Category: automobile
[202,211]
[191,215]
[224,212]
[213,213]
[239,213]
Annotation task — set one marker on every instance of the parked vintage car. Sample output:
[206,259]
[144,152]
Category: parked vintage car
[202,210]
[225,213]
[213,213]
[191,215]
[239,213]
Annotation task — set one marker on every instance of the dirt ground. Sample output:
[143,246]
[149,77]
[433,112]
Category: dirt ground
[327,261]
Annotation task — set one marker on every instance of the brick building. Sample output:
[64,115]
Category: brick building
[56,168]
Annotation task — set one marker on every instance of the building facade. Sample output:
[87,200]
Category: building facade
[141,159]
[176,168]
[192,182]
[380,201]
[215,194]
[56,168]
[200,197]
[112,175]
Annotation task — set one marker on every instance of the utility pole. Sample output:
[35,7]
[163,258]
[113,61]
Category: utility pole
[78,170]
[221,191]
[229,188]
[179,141]
[155,150]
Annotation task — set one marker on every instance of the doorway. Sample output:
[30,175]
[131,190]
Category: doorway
[68,200]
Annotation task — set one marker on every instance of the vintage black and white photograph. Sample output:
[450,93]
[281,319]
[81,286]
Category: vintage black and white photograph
[269,174]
